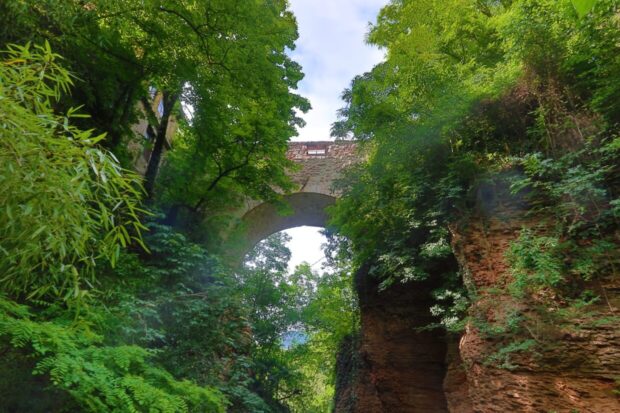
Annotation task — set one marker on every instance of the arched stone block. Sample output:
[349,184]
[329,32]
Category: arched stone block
[320,164]
[308,208]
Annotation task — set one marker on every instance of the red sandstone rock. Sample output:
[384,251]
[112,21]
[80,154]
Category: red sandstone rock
[398,369]
[575,373]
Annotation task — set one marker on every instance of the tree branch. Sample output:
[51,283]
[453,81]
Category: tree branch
[224,173]
[169,100]
[201,36]
[192,26]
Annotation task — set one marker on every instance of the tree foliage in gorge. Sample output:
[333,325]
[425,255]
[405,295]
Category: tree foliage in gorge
[102,307]
[224,62]
[68,209]
[87,325]
[298,320]
[489,94]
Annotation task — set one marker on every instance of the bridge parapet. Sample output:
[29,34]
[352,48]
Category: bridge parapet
[321,163]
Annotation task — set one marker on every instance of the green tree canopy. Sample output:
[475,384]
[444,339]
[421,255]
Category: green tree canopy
[224,62]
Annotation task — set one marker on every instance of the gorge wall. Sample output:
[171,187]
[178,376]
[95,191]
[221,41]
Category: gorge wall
[394,367]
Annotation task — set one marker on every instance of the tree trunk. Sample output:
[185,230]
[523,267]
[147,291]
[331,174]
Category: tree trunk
[169,100]
[172,215]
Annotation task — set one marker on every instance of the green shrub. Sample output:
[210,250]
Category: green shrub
[98,378]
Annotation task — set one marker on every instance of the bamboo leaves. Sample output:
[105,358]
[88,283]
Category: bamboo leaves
[66,202]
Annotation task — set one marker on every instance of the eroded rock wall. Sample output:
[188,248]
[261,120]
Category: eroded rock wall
[571,370]
[392,366]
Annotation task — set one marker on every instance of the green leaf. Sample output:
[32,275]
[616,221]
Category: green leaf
[583,7]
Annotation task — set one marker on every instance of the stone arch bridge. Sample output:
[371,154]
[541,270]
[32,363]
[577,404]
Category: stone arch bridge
[322,162]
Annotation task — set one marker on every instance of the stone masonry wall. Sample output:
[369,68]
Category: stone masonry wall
[321,163]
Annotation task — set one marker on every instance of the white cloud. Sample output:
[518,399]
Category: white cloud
[332,50]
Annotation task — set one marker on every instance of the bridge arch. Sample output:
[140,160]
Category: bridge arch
[320,165]
[306,208]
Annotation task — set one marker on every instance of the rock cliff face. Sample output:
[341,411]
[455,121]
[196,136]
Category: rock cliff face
[572,370]
[392,367]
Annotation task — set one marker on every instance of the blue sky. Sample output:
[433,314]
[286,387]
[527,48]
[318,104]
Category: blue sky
[332,50]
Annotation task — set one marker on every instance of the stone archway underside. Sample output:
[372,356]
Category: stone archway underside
[320,164]
[308,208]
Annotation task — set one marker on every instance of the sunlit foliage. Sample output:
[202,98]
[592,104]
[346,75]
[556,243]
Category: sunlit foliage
[488,94]
[65,201]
